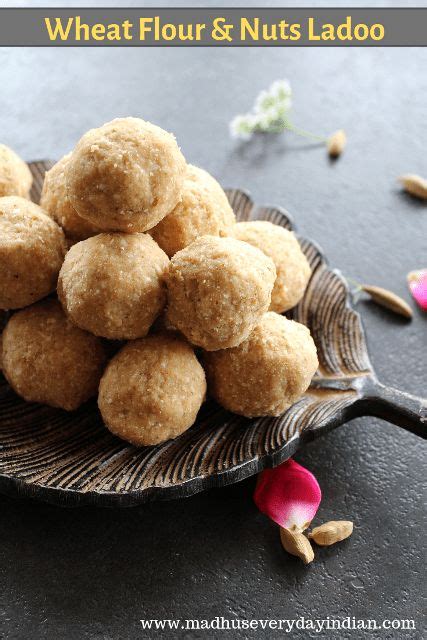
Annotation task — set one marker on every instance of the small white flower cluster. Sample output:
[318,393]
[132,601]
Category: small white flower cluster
[269,113]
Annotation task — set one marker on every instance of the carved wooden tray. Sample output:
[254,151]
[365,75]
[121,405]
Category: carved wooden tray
[71,458]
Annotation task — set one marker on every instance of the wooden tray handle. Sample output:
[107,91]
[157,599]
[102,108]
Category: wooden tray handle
[397,407]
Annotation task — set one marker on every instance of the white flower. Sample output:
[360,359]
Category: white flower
[264,102]
[266,119]
[273,105]
[242,126]
[281,89]
[269,113]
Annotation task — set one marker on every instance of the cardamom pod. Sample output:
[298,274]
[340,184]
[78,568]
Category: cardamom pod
[336,143]
[388,299]
[331,532]
[295,543]
[415,185]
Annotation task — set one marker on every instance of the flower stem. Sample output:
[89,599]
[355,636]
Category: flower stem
[356,285]
[302,132]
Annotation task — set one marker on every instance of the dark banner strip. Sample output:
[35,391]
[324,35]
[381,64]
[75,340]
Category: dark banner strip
[226,27]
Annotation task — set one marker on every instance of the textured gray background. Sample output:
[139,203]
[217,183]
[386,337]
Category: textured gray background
[92,573]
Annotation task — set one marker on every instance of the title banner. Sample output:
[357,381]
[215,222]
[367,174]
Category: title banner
[226,27]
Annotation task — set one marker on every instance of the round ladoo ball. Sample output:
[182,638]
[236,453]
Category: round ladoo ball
[204,210]
[47,359]
[125,176]
[293,270]
[32,249]
[268,372]
[152,390]
[55,202]
[15,176]
[113,284]
[218,290]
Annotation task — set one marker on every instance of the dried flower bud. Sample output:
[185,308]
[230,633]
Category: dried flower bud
[388,299]
[414,185]
[336,143]
[331,532]
[297,544]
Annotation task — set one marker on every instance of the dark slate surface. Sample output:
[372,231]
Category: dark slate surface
[93,573]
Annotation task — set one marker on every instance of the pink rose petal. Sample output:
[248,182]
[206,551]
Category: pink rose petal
[417,281]
[288,494]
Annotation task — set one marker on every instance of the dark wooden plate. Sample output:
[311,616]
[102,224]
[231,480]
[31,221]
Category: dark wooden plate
[71,458]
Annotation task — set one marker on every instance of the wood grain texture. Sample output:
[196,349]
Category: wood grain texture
[71,458]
